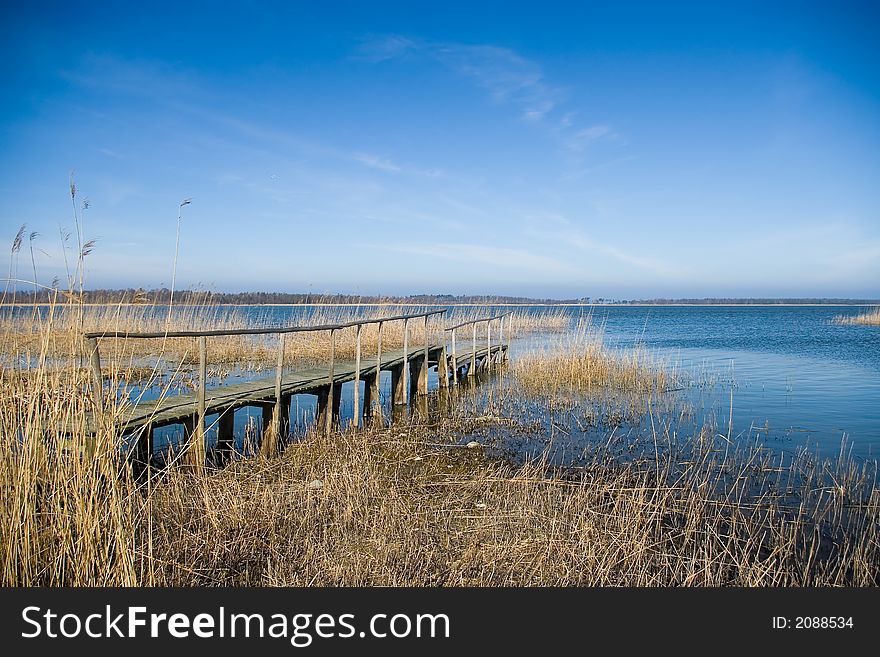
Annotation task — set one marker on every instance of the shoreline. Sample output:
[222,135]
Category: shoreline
[473,305]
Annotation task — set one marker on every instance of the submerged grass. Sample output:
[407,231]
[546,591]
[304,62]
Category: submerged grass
[868,318]
[579,361]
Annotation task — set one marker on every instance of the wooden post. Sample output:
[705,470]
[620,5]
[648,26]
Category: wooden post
[328,418]
[489,345]
[322,407]
[356,418]
[197,446]
[143,449]
[268,438]
[376,410]
[398,385]
[443,366]
[472,370]
[272,430]
[334,407]
[423,373]
[91,345]
[405,369]
[370,390]
[189,430]
[454,361]
[285,415]
[225,437]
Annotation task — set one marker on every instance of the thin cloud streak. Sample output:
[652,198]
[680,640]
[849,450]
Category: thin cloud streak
[495,256]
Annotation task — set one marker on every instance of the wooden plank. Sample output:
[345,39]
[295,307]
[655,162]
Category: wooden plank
[328,421]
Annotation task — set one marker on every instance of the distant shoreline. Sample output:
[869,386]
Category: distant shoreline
[475,305]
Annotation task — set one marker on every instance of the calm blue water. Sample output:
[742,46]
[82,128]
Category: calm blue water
[793,373]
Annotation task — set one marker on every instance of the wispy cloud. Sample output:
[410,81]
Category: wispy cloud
[580,139]
[381,48]
[495,256]
[386,164]
[507,76]
[562,231]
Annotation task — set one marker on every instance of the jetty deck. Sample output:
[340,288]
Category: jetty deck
[408,366]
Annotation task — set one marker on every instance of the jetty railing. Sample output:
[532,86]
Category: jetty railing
[198,442]
[472,369]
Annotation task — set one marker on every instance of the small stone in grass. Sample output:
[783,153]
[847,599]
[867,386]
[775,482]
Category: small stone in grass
[316,484]
[474,445]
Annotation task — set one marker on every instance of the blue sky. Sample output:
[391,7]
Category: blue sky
[624,150]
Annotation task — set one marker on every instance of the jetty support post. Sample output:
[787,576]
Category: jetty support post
[405,369]
[442,363]
[472,370]
[375,402]
[197,440]
[328,417]
[91,347]
[143,449]
[225,437]
[489,345]
[356,416]
[454,361]
[422,387]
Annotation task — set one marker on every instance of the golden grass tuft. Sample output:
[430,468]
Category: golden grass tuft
[868,318]
[580,362]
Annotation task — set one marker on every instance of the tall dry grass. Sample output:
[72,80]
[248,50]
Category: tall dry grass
[579,361]
[396,510]
[867,318]
[24,331]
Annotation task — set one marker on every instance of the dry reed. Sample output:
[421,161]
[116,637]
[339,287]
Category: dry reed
[868,318]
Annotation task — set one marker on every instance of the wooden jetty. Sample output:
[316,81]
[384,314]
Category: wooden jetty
[408,366]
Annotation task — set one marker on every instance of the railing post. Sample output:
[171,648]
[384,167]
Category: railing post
[405,372]
[328,418]
[489,345]
[91,345]
[501,332]
[454,361]
[376,410]
[472,370]
[272,438]
[443,363]
[197,446]
[423,373]
[356,419]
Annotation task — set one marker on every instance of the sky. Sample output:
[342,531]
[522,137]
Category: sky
[616,150]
